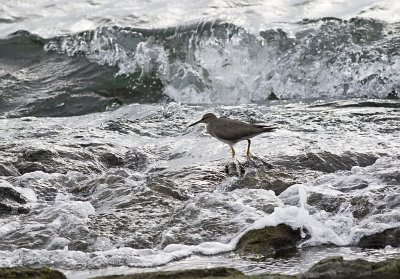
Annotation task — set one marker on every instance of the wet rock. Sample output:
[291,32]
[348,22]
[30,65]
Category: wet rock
[216,272]
[8,170]
[325,202]
[393,95]
[375,104]
[259,174]
[32,159]
[272,96]
[116,126]
[380,240]
[135,160]
[329,268]
[328,162]
[85,190]
[166,187]
[35,155]
[337,268]
[78,245]
[234,169]
[31,273]
[111,160]
[27,167]
[12,201]
[82,158]
[361,207]
[275,241]
[277,180]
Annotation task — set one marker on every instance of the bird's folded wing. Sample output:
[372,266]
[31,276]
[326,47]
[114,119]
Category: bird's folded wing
[233,130]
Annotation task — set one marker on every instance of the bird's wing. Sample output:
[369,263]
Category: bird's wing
[234,130]
[266,128]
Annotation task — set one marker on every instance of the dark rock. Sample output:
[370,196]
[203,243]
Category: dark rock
[8,207]
[361,207]
[37,155]
[258,174]
[269,242]
[33,159]
[116,126]
[111,160]
[27,167]
[393,95]
[9,170]
[12,202]
[135,160]
[182,274]
[375,104]
[166,187]
[327,162]
[325,202]
[217,272]
[9,193]
[272,96]
[31,273]
[380,240]
[75,158]
[277,180]
[337,268]
[78,245]
[329,268]
[234,169]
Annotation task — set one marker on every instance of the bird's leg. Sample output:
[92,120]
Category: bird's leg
[248,149]
[233,153]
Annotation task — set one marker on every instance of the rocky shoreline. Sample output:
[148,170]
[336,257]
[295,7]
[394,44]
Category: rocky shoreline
[260,244]
[333,267]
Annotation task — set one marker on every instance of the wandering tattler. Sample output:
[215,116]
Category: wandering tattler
[232,131]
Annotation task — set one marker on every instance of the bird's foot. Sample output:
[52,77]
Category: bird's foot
[234,168]
[255,161]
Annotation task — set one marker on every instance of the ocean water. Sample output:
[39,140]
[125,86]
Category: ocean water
[99,173]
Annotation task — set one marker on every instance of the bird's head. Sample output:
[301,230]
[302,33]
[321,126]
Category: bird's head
[207,118]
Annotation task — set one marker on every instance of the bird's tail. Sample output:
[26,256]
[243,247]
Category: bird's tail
[266,128]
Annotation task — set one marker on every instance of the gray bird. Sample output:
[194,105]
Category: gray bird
[232,131]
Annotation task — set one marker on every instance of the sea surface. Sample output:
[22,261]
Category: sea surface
[99,173]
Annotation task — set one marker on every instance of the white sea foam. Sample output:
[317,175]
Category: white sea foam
[49,18]
[339,228]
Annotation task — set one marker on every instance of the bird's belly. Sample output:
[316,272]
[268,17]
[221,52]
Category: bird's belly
[229,142]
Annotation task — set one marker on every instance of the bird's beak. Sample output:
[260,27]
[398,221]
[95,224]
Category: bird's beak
[195,123]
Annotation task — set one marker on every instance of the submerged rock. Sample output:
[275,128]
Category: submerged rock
[12,202]
[84,158]
[380,240]
[338,268]
[259,174]
[361,207]
[272,96]
[287,171]
[277,180]
[329,268]
[217,272]
[393,95]
[234,169]
[31,273]
[329,203]
[191,273]
[8,170]
[268,242]
[166,187]
[328,162]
